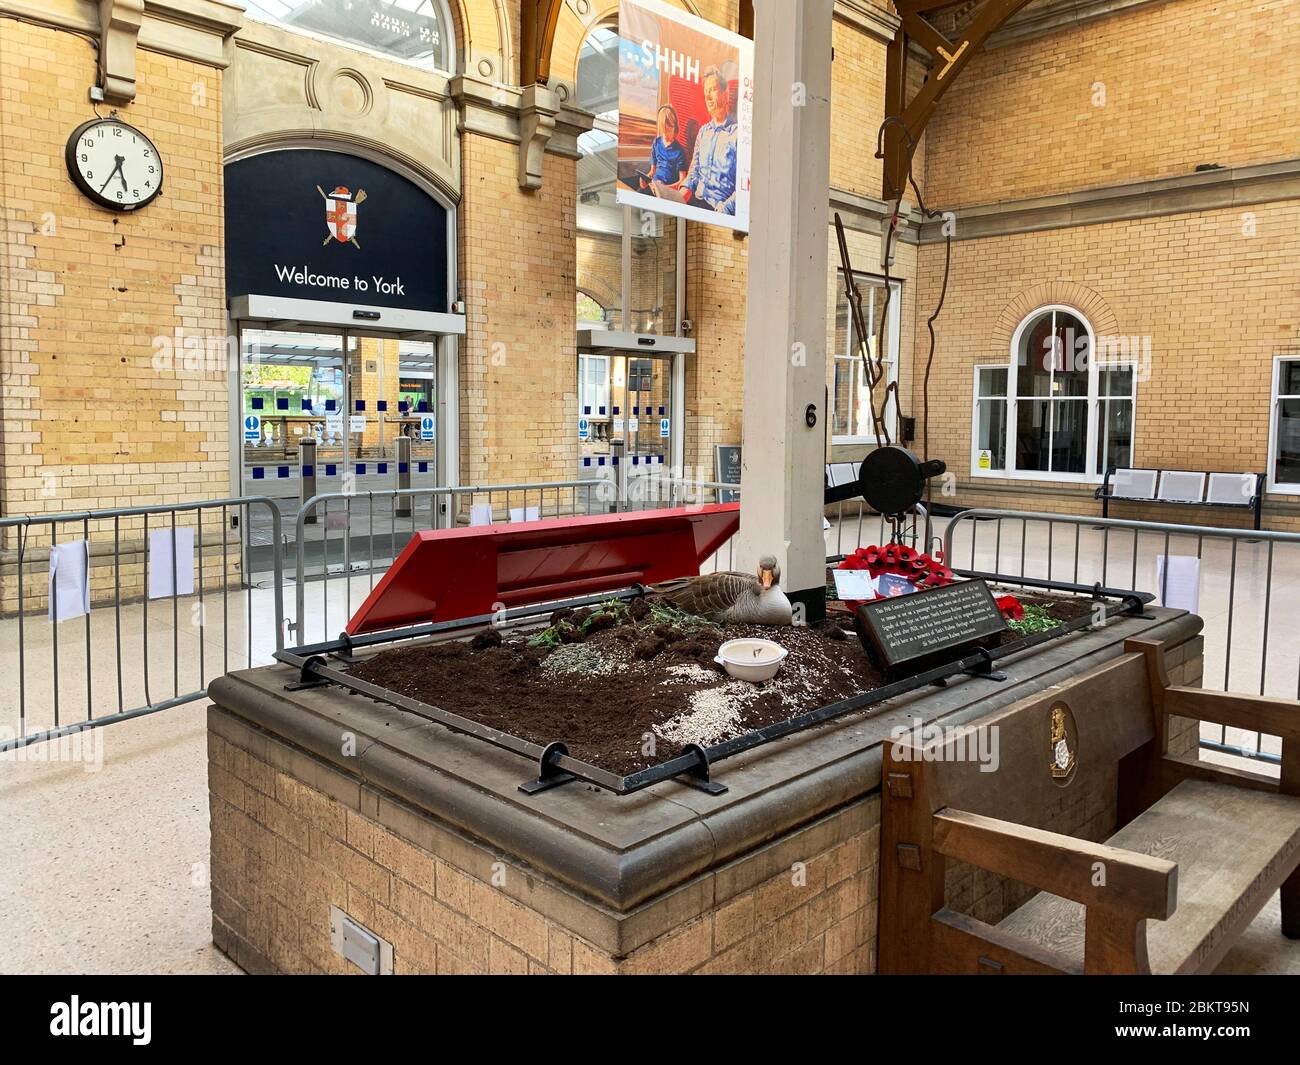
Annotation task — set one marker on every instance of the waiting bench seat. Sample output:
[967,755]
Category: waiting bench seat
[1230,846]
[1198,851]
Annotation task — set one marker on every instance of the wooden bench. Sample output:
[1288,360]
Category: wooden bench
[1236,491]
[1199,851]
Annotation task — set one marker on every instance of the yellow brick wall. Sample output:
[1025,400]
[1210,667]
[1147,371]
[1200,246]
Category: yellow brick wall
[1217,305]
[518,359]
[717,274]
[857,108]
[1185,83]
[93,417]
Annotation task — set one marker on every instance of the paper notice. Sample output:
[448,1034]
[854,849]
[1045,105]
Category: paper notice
[69,580]
[161,558]
[480,514]
[854,584]
[1178,581]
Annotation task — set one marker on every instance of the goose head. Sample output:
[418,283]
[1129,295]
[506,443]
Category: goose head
[769,572]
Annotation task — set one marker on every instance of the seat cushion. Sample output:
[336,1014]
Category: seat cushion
[1233,848]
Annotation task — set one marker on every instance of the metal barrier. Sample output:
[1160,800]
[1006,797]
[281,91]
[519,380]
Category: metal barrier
[1237,570]
[117,550]
[342,541]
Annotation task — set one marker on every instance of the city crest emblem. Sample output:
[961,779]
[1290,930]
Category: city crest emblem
[341,214]
[1063,759]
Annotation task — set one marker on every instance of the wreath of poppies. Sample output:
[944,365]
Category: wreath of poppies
[922,570]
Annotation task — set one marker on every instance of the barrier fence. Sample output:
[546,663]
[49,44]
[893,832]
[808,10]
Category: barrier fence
[117,613]
[1242,583]
[179,594]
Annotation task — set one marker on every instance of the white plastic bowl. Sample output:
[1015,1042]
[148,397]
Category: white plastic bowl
[751,660]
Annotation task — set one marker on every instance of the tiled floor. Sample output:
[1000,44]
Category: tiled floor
[103,865]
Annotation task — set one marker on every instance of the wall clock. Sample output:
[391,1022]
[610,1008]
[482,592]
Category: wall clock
[114,164]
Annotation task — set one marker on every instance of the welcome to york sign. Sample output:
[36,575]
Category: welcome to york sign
[322,225]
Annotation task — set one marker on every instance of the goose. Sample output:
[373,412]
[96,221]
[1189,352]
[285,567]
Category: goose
[735,598]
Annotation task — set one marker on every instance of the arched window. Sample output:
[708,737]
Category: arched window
[417,31]
[1055,410]
[629,256]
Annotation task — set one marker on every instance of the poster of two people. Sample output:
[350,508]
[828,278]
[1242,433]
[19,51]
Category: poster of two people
[685,115]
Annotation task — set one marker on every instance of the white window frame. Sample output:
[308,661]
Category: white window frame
[1090,474]
[874,281]
[585,361]
[975,415]
[1275,403]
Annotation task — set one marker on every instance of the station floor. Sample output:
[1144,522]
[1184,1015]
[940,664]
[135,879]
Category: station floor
[103,858]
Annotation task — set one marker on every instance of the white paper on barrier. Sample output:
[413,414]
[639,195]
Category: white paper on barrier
[69,580]
[160,563]
[525,513]
[1183,590]
[480,514]
[854,584]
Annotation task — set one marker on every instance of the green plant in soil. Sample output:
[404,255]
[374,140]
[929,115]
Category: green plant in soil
[1036,619]
[666,614]
[610,614]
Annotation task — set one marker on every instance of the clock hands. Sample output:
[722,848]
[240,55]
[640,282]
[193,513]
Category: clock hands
[117,169]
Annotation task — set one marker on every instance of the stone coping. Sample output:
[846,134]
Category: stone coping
[668,843]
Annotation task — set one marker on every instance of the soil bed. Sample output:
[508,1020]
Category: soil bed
[627,689]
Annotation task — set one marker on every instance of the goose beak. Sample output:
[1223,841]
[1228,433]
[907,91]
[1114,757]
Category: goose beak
[765,576]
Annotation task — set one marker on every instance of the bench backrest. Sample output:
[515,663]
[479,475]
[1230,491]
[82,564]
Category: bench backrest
[1101,716]
[1183,486]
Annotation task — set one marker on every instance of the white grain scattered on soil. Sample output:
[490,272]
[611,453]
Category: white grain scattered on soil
[714,714]
[689,671]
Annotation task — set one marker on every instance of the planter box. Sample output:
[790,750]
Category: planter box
[321,798]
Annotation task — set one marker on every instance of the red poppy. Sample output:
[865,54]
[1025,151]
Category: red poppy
[1010,607]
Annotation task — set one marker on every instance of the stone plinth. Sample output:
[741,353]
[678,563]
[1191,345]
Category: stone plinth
[320,798]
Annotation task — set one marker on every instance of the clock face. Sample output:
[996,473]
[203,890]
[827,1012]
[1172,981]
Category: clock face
[114,164]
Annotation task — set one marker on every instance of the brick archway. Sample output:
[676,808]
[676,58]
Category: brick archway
[1067,293]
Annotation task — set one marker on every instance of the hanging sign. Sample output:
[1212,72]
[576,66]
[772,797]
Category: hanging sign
[685,115]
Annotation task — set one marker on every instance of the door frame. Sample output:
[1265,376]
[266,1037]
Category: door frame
[446,364]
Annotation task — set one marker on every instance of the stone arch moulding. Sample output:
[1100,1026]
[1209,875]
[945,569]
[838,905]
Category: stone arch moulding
[483,39]
[435,185]
[572,31]
[282,87]
[1054,293]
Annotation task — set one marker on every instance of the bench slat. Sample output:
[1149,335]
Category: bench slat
[1233,848]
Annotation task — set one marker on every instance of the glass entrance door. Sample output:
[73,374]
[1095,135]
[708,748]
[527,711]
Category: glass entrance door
[392,403]
[293,390]
[625,427]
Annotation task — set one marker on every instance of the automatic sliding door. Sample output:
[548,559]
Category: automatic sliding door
[293,391]
[625,421]
[647,422]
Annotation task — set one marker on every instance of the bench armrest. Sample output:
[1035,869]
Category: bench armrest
[1127,884]
[1254,713]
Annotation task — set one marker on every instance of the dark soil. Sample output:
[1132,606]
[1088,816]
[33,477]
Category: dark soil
[629,691]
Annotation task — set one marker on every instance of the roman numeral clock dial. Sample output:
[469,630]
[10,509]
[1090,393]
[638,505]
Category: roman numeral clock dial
[114,164]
